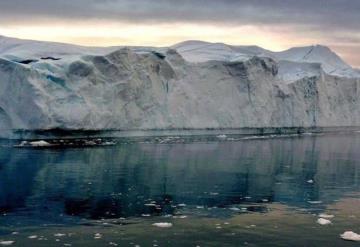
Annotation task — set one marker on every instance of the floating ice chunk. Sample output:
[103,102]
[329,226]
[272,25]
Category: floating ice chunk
[90,143]
[323,221]
[326,216]
[163,224]
[182,205]
[221,136]
[351,236]
[180,217]
[109,143]
[40,144]
[310,181]
[24,143]
[234,209]
[6,243]
[33,236]
[315,202]
[59,235]
[97,236]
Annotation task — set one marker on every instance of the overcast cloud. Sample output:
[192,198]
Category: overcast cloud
[328,14]
[337,20]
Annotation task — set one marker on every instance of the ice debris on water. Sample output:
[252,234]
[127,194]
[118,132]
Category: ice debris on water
[315,202]
[179,216]
[59,235]
[310,181]
[33,237]
[163,224]
[323,221]
[350,235]
[7,243]
[97,236]
[40,143]
[326,216]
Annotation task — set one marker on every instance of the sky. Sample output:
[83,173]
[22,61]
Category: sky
[271,24]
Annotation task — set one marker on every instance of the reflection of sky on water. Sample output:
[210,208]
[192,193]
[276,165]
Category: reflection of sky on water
[118,181]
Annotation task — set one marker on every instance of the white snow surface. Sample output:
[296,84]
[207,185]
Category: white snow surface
[298,62]
[192,85]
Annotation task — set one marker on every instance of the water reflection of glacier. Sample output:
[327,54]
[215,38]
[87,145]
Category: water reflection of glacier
[118,181]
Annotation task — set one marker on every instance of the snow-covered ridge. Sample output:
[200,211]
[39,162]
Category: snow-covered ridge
[192,85]
[199,51]
[192,51]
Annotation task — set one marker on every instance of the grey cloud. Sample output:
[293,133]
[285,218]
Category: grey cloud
[327,14]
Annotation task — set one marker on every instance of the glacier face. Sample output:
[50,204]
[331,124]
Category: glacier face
[192,85]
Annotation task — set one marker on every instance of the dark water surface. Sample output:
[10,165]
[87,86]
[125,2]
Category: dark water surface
[265,192]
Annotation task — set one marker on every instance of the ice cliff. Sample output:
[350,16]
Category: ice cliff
[192,85]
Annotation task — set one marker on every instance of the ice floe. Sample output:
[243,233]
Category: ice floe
[97,236]
[163,224]
[6,243]
[326,216]
[350,235]
[315,202]
[39,144]
[323,221]
[59,235]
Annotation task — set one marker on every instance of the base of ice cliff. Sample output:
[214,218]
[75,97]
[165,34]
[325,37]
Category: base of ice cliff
[47,86]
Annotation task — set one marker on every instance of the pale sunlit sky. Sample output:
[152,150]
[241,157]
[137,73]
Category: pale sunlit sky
[275,25]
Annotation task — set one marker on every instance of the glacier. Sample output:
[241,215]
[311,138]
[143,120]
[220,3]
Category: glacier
[191,85]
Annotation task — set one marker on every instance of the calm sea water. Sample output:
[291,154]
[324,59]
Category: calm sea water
[266,192]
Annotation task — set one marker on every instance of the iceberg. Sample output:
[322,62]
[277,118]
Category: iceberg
[191,85]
